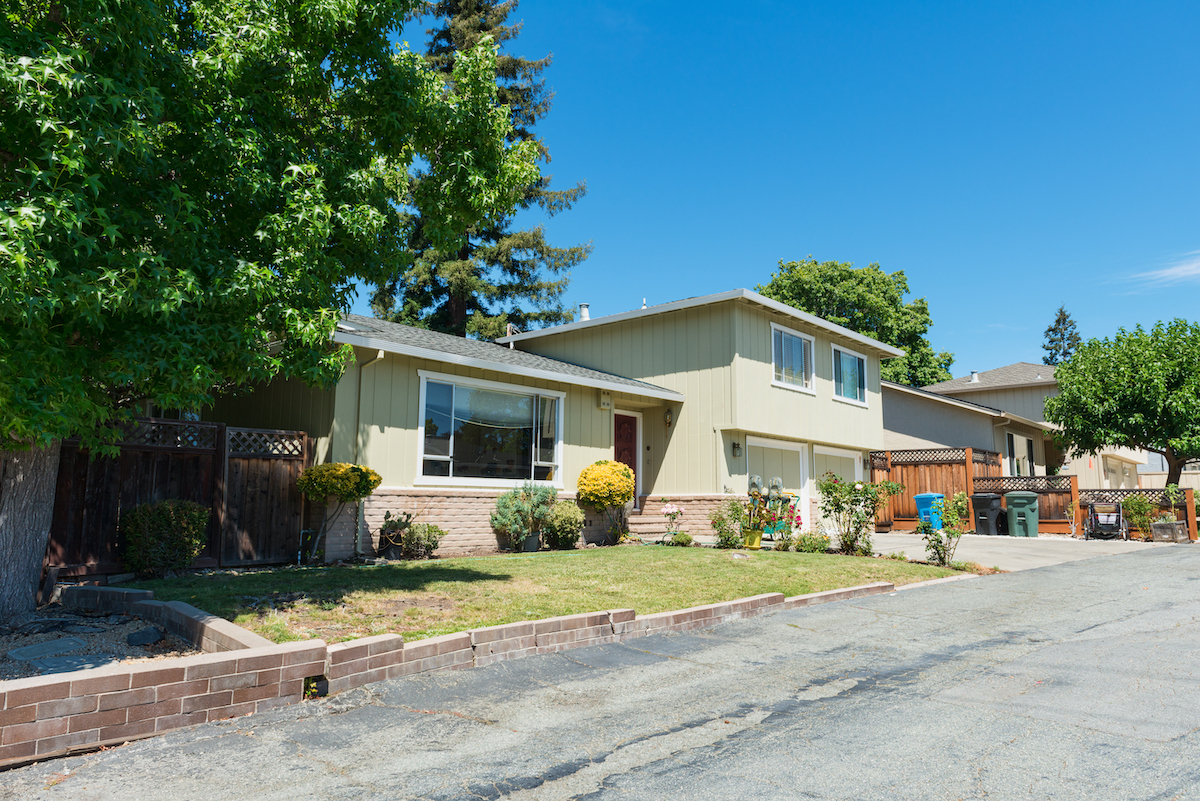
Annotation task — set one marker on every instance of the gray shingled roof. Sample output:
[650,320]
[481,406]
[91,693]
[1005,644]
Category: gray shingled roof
[1012,375]
[383,333]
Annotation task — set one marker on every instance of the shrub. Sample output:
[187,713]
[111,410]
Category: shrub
[1138,509]
[852,505]
[784,540]
[564,526]
[681,539]
[349,483]
[607,486]
[420,540]
[522,512]
[163,537]
[954,511]
[812,542]
[939,545]
[391,533]
[727,521]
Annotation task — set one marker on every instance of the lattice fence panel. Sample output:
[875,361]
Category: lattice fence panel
[261,442]
[1026,483]
[1155,496]
[929,456]
[171,434]
[879,460]
[985,457]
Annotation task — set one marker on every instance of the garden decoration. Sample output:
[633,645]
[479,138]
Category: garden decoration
[767,511]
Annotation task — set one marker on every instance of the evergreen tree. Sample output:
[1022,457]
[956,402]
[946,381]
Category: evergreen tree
[1061,338]
[499,275]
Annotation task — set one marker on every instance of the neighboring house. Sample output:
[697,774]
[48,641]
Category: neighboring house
[917,419]
[695,396]
[1022,389]
[770,391]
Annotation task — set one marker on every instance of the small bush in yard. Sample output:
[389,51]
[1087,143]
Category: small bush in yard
[420,540]
[727,521]
[163,537]
[852,505]
[812,542]
[939,545]
[348,483]
[681,539]
[563,526]
[523,512]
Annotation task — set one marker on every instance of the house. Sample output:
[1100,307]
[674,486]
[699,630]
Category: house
[770,391]
[695,395]
[917,419]
[1021,389]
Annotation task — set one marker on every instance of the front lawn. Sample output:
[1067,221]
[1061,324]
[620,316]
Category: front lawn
[425,599]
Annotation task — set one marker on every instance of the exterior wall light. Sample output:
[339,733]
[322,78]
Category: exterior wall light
[668,417]
[737,449]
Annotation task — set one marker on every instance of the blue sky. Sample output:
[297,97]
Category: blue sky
[1008,157]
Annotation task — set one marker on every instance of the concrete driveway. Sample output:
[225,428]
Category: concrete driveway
[1016,553]
[1075,681]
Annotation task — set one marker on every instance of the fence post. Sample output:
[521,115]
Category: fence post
[1190,499]
[1076,509]
[969,466]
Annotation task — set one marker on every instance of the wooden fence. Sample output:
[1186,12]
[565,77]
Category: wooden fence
[944,470]
[1184,509]
[246,476]
[1058,499]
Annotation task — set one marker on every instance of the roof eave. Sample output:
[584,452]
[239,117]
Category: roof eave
[500,367]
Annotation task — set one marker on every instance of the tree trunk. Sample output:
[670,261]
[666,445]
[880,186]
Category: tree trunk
[27,484]
[1174,466]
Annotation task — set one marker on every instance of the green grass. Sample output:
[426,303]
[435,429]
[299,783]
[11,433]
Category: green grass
[425,599]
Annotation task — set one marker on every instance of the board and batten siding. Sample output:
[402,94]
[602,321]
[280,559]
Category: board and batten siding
[388,416]
[288,404]
[788,414]
[1027,402]
[912,423]
[689,351]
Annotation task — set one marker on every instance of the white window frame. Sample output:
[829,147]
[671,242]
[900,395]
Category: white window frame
[834,349]
[809,369]
[479,383]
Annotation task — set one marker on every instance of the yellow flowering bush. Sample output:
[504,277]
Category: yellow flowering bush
[605,484]
[346,482]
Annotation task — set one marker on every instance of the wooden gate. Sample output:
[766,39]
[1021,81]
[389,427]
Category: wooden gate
[263,508]
[246,476]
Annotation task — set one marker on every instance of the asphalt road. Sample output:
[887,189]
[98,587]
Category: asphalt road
[1075,681]
[1014,553]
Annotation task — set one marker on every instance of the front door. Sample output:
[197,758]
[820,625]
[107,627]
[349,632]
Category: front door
[625,444]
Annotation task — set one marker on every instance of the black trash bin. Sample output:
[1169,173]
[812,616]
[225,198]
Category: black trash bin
[987,513]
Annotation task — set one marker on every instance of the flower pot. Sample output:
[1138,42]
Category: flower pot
[753,538]
[531,543]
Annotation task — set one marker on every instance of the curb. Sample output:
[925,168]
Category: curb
[931,582]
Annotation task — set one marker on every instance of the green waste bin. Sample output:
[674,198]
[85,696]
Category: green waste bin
[1022,513]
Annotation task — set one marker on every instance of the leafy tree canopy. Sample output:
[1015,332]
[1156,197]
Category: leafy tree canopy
[1141,389]
[871,302]
[499,274]
[1061,338]
[188,190]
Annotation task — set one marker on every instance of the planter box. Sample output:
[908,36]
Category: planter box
[1169,532]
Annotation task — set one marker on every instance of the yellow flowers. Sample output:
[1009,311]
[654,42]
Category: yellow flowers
[605,484]
[346,482]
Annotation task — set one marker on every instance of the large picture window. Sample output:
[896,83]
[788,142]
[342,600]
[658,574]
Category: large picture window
[849,375]
[791,352]
[483,432]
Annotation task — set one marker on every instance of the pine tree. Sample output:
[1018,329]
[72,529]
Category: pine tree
[1061,338]
[499,275]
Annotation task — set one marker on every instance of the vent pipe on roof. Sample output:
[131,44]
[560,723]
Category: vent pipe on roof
[643,303]
[583,312]
[974,377]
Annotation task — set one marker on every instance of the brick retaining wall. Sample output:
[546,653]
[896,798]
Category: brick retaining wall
[46,716]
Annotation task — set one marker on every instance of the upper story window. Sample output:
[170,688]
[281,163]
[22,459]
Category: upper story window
[792,352]
[849,375]
[484,433]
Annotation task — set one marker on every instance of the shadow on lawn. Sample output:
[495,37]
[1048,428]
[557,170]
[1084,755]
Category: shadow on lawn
[229,594]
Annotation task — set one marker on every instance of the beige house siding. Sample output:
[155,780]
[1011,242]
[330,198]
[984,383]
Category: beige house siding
[1027,402]
[287,404]
[911,423]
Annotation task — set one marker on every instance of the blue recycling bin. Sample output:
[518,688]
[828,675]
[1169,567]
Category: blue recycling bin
[926,511]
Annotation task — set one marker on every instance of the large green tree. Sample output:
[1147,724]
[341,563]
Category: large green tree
[188,191]
[871,302]
[500,274]
[1140,389]
[1061,338]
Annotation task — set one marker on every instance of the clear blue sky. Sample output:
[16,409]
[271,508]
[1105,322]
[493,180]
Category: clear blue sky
[1008,157]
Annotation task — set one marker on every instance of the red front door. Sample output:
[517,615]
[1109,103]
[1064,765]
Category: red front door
[625,442]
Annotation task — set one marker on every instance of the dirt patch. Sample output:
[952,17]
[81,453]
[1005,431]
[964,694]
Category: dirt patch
[398,607]
[101,633]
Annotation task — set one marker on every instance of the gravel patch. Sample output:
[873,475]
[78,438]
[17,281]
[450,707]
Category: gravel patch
[104,639]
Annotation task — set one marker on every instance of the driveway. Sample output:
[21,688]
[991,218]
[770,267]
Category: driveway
[1073,681]
[1015,553]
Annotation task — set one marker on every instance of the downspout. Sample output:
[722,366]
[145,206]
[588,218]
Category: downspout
[359,519]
